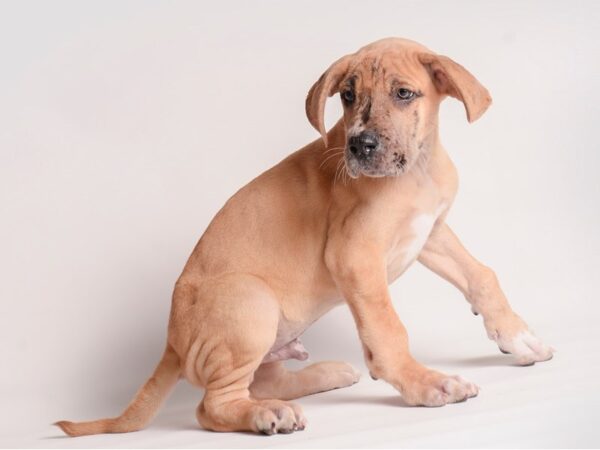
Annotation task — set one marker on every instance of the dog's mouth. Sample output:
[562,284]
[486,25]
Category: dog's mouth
[378,165]
[356,169]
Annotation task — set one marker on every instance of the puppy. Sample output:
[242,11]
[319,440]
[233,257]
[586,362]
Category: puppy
[336,221]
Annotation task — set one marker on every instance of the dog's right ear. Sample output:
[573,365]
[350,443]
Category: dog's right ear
[326,86]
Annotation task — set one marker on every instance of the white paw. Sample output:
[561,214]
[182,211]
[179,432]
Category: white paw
[336,374]
[276,416]
[348,374]
[431,388]
[456,389]
[526,347]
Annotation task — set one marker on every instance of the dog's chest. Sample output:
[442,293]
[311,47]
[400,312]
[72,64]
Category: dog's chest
[409,242]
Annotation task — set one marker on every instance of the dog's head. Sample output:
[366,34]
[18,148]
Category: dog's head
[390,92]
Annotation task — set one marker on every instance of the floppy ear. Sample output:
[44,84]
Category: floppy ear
[326,86]
[453,79]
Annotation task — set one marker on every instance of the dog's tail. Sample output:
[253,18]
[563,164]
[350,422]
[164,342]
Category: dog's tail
[142,408]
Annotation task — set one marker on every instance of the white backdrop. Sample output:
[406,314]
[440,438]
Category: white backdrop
[125,125]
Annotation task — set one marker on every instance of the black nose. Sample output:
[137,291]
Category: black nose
[363,145]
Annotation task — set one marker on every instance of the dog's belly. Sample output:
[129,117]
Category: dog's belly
[287,343]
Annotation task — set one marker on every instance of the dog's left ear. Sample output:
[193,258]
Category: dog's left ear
[326,86]
[453,79]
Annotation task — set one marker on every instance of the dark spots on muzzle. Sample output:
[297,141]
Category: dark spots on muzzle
[415,123]
[399,160]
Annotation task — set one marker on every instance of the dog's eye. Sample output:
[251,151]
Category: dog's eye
[405,94]
[348,96]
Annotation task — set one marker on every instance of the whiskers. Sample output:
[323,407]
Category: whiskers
[340,151]
[340,170]
[332,149]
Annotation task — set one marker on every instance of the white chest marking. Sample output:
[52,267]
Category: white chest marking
[421,226]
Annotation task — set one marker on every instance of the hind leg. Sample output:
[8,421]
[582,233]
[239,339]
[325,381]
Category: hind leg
[273,380]
[238,317]
[243,414]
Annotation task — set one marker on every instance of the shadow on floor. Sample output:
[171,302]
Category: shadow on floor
[477,361]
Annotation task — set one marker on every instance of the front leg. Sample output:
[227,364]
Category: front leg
[359,271]
[444,254]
